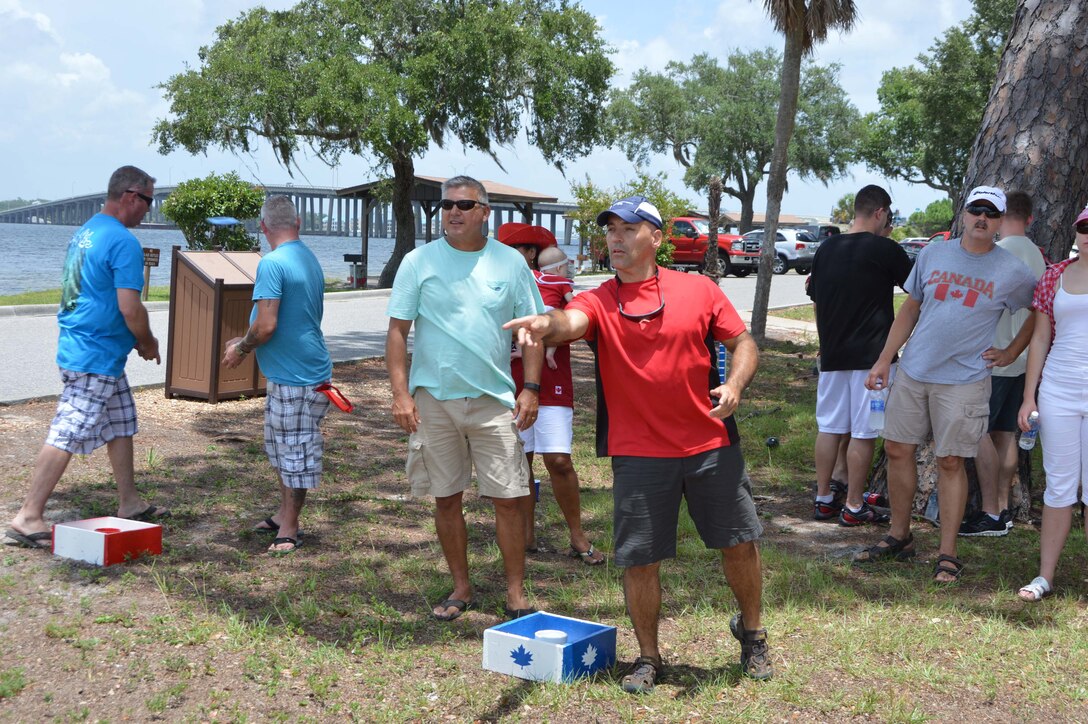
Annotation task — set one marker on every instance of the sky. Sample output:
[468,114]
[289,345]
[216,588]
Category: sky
[79,81]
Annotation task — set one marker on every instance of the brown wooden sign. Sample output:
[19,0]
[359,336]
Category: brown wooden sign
[151,257]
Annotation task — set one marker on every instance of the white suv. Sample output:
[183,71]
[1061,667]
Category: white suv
[794,249]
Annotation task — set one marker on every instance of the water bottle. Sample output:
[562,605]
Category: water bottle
[877,398]
[1027,439]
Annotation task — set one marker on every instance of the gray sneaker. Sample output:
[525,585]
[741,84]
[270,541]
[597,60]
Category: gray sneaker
[755,654]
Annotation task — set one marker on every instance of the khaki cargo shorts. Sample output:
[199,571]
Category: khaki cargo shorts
[956,414]
[455,436]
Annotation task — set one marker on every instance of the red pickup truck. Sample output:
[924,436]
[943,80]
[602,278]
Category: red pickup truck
[690,239]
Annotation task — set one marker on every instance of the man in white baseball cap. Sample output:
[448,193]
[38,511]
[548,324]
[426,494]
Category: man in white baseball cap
[957,291]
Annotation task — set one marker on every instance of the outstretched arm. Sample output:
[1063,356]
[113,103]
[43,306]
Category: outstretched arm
[551,329]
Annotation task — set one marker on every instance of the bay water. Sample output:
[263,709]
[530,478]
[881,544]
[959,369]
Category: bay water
[33,254]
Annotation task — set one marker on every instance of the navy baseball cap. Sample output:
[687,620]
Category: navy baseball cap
[633,209]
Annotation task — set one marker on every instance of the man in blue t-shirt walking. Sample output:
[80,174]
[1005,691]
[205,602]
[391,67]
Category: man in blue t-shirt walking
[285,329]
[101,320]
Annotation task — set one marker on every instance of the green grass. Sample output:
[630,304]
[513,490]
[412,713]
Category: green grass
[52,296]
[12,681]
[806,313]
[154,294]
[341,630]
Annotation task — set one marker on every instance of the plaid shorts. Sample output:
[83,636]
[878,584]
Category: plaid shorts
[292,433]
[93,409]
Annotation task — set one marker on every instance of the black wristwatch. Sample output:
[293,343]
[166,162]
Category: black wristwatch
[531,386]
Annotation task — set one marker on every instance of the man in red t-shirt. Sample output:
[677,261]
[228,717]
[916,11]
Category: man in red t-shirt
[652,331]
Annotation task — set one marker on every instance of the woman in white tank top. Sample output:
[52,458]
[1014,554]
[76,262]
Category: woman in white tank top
[1057,367]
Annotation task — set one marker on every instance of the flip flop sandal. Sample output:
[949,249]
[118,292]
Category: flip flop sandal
[948,564]
[37,541]
[149,514]
[295,545]
[1037,590]
[513,613]
[271,526]
[587,556]
[643,676]
[456,603]
[895,549]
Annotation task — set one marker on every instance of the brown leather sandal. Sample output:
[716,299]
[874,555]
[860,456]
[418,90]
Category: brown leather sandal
[643,675]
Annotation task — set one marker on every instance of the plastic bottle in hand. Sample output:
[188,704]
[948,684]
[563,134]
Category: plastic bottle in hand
[1028,439]
[877,398]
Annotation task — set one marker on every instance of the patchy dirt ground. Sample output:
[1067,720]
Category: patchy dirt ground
[190,636]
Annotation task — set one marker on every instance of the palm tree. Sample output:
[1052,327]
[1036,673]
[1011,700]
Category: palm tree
[804,23]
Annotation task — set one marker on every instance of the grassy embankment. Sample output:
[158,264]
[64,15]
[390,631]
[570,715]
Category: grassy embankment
[154,294]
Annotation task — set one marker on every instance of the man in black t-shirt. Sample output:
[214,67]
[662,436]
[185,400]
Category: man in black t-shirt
[854,276]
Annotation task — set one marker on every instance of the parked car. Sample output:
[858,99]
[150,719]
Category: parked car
[940,236]
[912,247]
[794,249]
[822,231]
[911,239]
[690,237]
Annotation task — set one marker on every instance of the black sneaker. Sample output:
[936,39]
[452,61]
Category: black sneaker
[830,511]
[1006,518]
[982,525]
[755,654]
[866,514]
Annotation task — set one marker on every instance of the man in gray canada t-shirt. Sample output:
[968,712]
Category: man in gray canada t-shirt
[958,290]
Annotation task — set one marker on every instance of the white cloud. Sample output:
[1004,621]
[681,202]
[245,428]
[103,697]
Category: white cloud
[82,68]
[16,19]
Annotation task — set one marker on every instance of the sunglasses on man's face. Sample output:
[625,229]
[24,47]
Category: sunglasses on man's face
[974,210]
[1082,227]
[146,199]
[462,204]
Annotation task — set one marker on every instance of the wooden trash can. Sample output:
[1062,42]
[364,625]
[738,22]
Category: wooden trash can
[211,296]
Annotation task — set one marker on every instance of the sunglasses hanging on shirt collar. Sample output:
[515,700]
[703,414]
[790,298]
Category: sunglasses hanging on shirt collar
[647,315]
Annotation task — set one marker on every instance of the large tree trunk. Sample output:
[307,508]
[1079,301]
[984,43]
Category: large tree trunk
[1034,132]
[776,180]
[925,503]
[747,208]
[404,172]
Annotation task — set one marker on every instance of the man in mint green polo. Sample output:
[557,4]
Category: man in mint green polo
[457,403]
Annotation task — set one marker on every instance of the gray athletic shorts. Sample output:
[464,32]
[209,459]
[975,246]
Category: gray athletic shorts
[92,410]
[646,496]
[292,433]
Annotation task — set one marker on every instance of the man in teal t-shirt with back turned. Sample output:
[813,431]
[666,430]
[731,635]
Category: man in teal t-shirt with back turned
[101,320]
[458,402]
[285,329]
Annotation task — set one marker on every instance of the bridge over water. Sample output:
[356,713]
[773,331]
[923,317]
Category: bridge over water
[323,210]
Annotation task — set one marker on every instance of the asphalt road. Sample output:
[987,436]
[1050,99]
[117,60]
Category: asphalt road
[354,326]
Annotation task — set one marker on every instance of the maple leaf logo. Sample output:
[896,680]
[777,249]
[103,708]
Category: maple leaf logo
[956,294]
[590,656]
[521,657]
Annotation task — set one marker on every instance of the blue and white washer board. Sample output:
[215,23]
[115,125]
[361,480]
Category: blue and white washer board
[511,648]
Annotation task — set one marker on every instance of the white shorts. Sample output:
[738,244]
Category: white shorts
[842,403]
[552,432]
